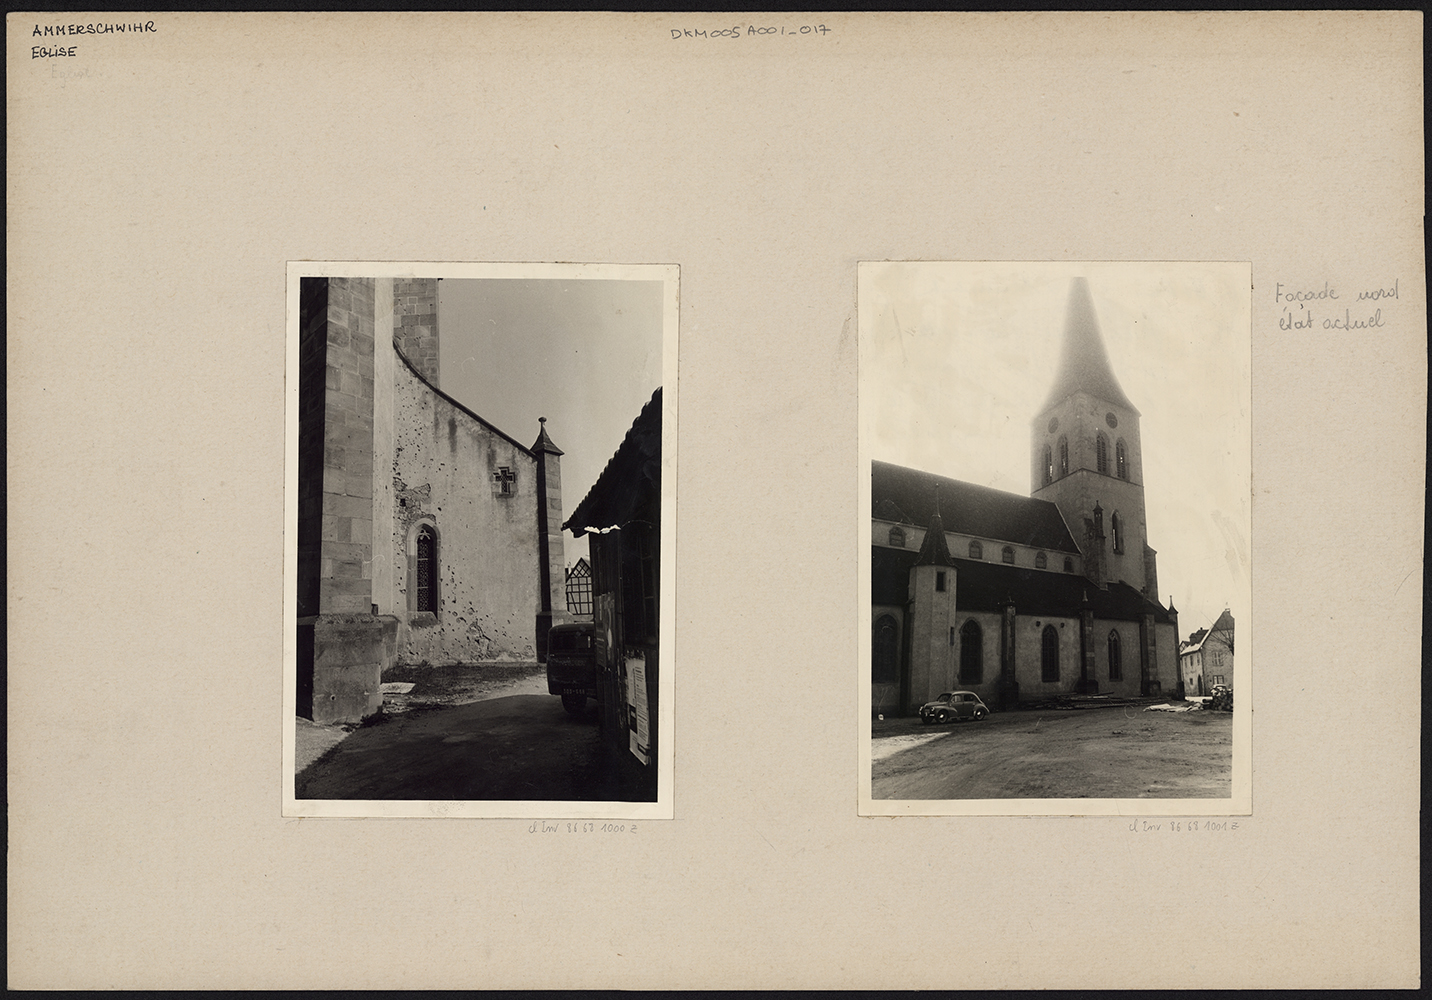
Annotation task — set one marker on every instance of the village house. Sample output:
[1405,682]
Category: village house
[1206,659]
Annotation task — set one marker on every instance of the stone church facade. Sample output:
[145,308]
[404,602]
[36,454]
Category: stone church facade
[426,535]
[1025,598]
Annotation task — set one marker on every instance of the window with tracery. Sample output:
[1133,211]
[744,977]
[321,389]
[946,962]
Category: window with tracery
[1049,655]
[426,571]
[971,653]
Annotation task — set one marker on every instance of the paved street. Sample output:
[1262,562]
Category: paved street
[1117,752]
[517,747]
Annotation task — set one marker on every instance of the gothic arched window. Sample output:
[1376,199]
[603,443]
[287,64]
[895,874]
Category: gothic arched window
[1041,561]
[1101,454]
[1049,655]
[1121,459]
[1116,660]
[1118,526]
[1007,554]
[1063,457]
[1048,465]
[976,550]
[971,653]
[425,570]
[1068,565]
[897,538]
[885,651]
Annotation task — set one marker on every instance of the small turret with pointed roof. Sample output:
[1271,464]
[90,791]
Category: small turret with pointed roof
[934,550]
[543,442]
[931,609]
[552,598]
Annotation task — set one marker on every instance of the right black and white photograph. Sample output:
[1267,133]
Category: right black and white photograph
[1055,538]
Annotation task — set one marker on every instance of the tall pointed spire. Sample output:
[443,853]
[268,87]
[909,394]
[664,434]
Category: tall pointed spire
[1083,361]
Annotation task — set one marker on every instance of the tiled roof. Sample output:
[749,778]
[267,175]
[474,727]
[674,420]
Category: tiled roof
[907,496]
[634,465]
[984,586]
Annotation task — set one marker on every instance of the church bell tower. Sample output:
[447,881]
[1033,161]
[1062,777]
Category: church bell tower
[1086,456]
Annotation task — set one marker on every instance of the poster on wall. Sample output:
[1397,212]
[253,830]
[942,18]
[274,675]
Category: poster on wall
[637,707]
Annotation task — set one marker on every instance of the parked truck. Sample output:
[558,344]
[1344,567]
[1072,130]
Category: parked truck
[572,665]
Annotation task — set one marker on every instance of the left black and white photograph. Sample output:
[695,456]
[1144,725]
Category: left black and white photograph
[480,539]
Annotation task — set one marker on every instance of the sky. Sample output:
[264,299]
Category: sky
[584,353]
[957,359]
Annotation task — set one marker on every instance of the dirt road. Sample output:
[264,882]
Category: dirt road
[517,747]
[1117,753]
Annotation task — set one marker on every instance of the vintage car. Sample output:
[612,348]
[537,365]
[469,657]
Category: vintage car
[953,706]
[572,665]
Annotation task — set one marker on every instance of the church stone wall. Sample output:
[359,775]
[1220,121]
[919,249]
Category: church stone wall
[1028,652]
[488,588]
[415,323]
[987,687]
[1130,649]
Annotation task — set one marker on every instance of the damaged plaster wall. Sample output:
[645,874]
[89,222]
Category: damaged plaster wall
[445,471]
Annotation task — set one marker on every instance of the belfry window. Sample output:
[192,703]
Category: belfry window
[1101,454]
[1049,655]
[1048,465]
[897,538]
[1121,459]
[1063,457]
[425,582]
[1116,662]
[1007,555]
[976,550]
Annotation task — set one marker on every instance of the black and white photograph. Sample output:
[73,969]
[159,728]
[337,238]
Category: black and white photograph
[1055,547]
[482,474]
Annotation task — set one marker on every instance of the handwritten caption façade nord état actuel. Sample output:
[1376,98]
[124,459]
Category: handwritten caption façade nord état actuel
[1299,312]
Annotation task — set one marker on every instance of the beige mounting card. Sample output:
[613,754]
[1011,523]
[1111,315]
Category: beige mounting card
[167,171]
